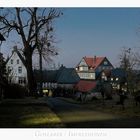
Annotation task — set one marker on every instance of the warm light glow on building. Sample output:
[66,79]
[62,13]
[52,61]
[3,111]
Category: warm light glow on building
[81,69]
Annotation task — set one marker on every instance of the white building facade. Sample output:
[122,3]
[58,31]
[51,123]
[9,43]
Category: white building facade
[84,71]
[16,70]
[89,67]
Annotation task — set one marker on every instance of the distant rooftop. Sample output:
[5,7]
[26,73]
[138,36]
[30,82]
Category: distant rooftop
[93,62]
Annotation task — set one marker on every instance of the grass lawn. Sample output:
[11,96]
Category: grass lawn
[18,115]
[130,111]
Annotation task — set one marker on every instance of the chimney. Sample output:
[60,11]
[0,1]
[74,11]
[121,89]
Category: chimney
[15,48]
[94,59]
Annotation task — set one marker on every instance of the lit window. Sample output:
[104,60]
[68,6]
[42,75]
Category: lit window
[103,74]
[81,68]
[111,79]
[19,69]
[117,79]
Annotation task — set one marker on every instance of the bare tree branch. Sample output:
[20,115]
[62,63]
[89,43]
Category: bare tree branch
[29,24]
[21,27]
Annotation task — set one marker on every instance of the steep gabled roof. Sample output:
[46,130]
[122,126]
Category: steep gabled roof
[93,62]
[9,57]
[62,76]
[15,51]
[67,76]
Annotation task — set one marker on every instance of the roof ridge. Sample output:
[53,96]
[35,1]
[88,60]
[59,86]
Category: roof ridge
[94,62]
[94,56]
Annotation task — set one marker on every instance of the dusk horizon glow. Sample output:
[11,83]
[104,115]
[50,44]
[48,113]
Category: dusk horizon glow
[92,31]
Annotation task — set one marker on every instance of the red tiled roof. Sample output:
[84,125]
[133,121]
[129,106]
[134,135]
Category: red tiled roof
[94,62]
[85,86]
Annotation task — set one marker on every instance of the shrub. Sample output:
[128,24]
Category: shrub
[15,91]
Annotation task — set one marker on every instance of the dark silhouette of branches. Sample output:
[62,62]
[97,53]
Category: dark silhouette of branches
[28,23]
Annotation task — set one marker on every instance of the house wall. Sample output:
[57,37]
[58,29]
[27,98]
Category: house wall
[87,75]
[16,70]
[84,71]
[67,86]
[49,85]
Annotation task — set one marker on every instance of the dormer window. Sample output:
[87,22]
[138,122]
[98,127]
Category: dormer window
[105,62]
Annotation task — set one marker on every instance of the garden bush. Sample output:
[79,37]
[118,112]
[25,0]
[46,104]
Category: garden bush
[15,91]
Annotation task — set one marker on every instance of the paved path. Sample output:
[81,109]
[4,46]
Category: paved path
[78,116]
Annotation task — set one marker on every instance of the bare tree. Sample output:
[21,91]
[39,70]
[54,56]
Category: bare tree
[27,23]
[128,62]
[46,49]
[137,55]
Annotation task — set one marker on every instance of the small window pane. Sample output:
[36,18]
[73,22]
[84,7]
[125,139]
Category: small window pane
[19,69]
[17,61]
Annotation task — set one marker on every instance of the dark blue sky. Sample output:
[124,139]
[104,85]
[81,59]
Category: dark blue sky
[95,31]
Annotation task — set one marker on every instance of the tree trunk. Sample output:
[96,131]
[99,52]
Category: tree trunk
[32,86]
[41,74]
[0,93]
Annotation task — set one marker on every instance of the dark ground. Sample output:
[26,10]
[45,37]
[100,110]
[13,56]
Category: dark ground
[88,116]
[48,112]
